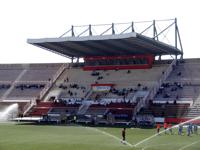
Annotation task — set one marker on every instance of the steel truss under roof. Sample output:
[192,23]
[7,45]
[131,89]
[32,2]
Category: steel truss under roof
[109,42]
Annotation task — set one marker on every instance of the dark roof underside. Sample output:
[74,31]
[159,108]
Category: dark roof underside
[108,45]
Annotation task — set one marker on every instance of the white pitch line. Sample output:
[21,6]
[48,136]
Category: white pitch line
[135,145]
[110,135]
[188,145]
[145,140]
[154,146]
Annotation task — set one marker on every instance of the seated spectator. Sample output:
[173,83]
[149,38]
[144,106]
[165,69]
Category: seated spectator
[174,101]
[179,74]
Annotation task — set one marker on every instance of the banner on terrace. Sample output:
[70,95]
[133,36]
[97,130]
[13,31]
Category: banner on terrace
[101,87]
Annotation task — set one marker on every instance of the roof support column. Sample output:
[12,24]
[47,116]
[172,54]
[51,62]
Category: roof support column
[175,21]
[176,57]
[154,30]
[77,61]
[159,58]
[72,30]
[72,60]
[90,30]
[181,56]
[113,29]
[132,27]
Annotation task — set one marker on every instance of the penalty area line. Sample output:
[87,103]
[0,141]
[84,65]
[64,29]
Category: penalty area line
[150,146]
[188,145]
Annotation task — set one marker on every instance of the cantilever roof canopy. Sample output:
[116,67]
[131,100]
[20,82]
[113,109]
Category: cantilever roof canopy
[105,45]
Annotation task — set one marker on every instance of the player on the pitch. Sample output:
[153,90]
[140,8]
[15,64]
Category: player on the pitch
[124,136]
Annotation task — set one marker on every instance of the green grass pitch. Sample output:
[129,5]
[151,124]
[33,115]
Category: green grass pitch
[43,137]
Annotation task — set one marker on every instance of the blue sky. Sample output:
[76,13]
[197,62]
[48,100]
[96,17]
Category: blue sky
[23,19]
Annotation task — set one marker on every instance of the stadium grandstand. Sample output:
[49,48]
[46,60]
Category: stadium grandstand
[116,76]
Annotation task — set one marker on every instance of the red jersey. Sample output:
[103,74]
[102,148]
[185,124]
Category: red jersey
[158,126]
[165,125]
